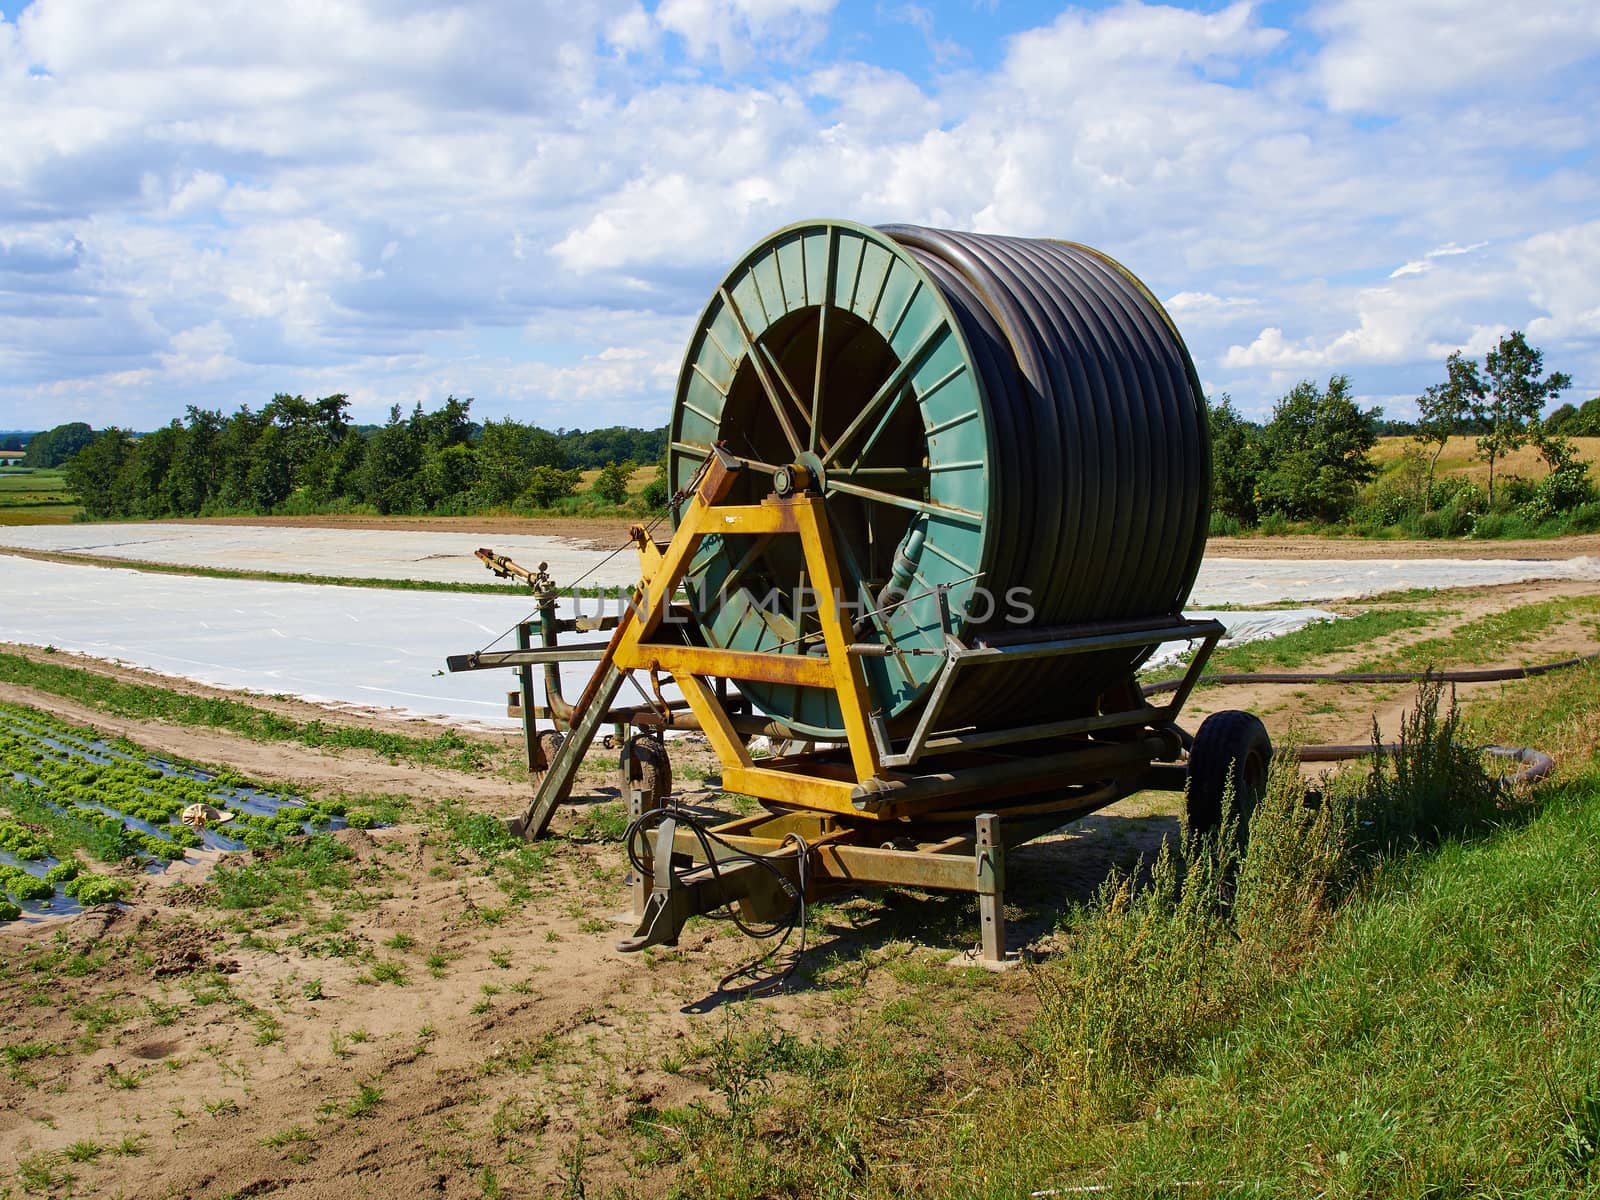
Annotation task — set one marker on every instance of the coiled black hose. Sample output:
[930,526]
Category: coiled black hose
[1102,477]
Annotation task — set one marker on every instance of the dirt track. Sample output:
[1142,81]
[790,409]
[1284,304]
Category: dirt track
[1582,545]
[607,533]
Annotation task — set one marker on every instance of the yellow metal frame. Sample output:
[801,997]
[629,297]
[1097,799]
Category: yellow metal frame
[663,569]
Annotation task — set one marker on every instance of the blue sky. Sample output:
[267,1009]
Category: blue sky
[529,203]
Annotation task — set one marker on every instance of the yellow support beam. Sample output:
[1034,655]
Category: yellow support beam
[799,669]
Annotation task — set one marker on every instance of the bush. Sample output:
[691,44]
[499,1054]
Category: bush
[611,486]
[547,485]
[1432,787]
[1222,525]
[658,492]
[1583,519]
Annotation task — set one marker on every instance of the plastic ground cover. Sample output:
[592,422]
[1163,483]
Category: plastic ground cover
[383,649]
[448,557]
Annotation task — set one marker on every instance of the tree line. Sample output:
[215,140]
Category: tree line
[1312,461]
[299,456]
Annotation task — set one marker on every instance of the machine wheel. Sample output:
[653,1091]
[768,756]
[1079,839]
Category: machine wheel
[643,764]
[549,742]
[1228,743]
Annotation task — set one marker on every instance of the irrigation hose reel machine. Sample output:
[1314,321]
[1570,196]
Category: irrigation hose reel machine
[937,497]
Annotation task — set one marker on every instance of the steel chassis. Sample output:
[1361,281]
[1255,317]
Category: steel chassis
[935,809]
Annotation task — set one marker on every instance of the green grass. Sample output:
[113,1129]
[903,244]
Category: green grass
[36,498]
[1446,1041]
[486,588]
[1363,1007]
[282,883]
[1319,639]
[149,702]
[1496,637]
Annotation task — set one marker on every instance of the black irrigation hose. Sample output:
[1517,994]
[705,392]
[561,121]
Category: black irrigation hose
[1536,764]
[1101,481]
[1485,675]
[638,832]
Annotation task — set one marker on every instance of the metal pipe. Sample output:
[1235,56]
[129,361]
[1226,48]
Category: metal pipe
[1086,760]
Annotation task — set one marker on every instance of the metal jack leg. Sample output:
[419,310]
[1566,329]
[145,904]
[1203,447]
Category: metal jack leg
[989,857]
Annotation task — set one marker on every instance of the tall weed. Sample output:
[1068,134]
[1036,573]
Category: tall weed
[1166,958]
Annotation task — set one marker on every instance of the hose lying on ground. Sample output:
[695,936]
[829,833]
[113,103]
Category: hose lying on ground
[1484,675]
[1536,763]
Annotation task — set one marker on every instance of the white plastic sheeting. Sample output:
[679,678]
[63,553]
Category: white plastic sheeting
[1271,581]
[448,557]
[351,553]
[336,645]
[386,649]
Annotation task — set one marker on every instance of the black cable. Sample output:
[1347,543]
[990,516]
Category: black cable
[781,929]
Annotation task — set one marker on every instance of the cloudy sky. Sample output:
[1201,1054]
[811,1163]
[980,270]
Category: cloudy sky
[529,203]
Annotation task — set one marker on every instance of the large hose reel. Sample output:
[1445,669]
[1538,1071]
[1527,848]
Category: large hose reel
[1010,437]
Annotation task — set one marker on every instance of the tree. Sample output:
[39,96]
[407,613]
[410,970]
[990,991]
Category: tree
[195,476]
[270,478]
[508,453]
[612,483]
[393,458]
[658,491]
[1516,396]
[1563,422]
[55,446]
[95,473]
[1316,452]
[1235,462]
[448,476]
[1443,407]
[548,484]
[1576,422]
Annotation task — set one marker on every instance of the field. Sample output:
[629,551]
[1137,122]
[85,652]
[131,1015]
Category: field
[35,497]
[1459,457]
[417,1004]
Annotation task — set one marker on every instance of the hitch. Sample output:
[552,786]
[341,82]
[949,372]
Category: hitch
[762,888]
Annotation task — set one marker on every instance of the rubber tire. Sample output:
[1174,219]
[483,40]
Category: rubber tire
[1228,741]
[652,769]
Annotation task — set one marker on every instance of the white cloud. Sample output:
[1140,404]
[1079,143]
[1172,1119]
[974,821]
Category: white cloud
[508,202]
[1381,54]
[1418,265]
[735,32]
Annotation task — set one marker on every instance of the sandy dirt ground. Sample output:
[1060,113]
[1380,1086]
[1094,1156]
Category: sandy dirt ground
[438,1027]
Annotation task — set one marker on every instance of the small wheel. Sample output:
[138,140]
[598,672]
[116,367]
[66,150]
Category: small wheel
[643,764]
[1229,743]
[610,742]
[549,742]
